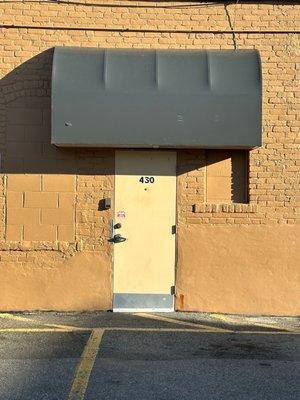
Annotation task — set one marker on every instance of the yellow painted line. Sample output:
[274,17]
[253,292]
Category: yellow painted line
[190,330]
[178,322]
[221,317]
[274,327]
[196,330]
[85,366]
[125,329]
[16,317]
[51,330]
[34,321]
[271,326]
[232,321]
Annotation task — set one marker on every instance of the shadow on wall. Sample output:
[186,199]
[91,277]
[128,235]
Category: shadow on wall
[26,104]
[227,176]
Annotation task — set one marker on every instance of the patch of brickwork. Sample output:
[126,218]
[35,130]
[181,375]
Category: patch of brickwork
[190,181]
[225,208]
[40,207]
[94,182]
[50,196]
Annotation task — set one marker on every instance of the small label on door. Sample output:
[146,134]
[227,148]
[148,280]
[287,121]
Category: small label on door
[121,214]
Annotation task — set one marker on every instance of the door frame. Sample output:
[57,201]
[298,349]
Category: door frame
[174,308]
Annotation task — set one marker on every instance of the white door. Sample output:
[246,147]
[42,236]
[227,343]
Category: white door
[144,230]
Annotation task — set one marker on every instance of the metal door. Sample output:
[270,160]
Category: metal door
[144,230]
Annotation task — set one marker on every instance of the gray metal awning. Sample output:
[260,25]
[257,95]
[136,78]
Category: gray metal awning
[156,98]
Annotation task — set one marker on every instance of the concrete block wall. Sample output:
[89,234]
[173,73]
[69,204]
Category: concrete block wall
[52,233]
[40,208]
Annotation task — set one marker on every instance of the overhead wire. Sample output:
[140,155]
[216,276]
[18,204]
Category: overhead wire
[185,3]
[126,3]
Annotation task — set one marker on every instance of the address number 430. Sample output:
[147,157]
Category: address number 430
[146,179]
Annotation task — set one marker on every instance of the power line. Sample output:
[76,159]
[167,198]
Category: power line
[189,3]
[187,31]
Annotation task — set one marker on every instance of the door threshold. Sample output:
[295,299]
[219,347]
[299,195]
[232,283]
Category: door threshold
[143,302]
[145,310]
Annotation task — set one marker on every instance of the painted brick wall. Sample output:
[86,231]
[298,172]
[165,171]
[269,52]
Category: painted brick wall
[49,197]
[40,208]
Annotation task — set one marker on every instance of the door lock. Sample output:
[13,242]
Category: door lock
[117,238]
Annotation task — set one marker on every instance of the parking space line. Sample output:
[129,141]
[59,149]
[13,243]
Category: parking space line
[197,330]
[51,330]
[229,320]
[127,329]
[85,365]
[33,321]
[178,322]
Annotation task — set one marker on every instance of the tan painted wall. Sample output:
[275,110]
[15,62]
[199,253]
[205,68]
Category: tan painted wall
[39,226]
[239,269]
[54,282]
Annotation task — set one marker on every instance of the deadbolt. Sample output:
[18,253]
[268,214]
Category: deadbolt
[118,225]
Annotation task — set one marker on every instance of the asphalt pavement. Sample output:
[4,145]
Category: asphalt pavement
[111,356]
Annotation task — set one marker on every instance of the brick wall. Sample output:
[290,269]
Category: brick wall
[49,197]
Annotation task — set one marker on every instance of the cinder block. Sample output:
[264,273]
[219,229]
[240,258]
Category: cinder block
[24,149]
[23,216]
[41,199]
[40,232]
[25,116]
[15,133]
[58,183]
[23,182]
[15,164]
[37,133]
[63,216]
[66,233]
[218,188]
[14,232]
[220,168]
[66,200]
[47,118]
[14,199]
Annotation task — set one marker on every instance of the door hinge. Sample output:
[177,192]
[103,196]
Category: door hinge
[173,290]
[174,229]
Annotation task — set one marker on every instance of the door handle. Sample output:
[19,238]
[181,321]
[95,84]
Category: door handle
[117,238]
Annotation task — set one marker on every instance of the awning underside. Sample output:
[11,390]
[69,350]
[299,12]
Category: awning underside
[150,99]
